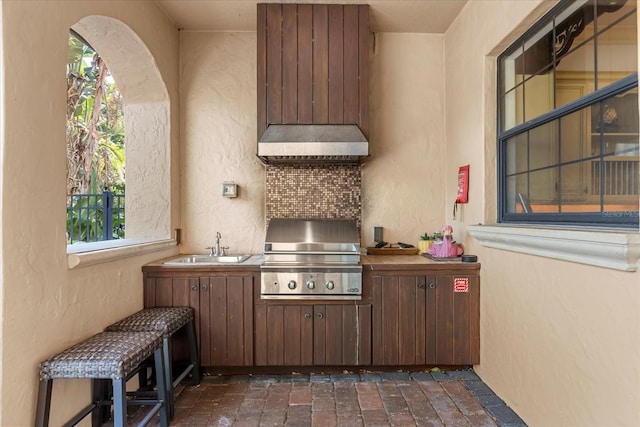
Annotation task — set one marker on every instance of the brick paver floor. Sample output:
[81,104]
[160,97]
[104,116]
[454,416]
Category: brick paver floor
[455,398]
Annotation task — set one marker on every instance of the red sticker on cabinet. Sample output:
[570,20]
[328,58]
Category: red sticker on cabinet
[461,284]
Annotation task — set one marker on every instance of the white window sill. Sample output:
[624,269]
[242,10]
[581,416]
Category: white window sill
[616,249]
[81,255]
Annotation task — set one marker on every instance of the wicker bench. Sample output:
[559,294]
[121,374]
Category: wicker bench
[114,356]
[168,321]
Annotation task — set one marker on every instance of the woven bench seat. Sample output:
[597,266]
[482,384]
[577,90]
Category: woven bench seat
[114,356]
[168,321]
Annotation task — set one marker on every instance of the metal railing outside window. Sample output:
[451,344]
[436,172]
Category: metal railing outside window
[95,217]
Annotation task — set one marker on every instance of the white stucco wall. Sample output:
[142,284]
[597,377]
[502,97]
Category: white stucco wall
[559,341]
[218,128]
[47,307]
[403,180]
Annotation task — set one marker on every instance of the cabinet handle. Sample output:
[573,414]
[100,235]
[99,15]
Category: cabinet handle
[432,285]
[205,288]
[307,316]
[320,315]
[421,285]
[194,287]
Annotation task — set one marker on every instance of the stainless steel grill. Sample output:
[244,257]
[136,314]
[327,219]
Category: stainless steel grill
[312,258]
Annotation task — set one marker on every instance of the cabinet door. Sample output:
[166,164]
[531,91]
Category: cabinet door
[400,334]
[170,292]
[342,335]
[226,320]
[306,335]
[457,319]
[175,292]
[284,335]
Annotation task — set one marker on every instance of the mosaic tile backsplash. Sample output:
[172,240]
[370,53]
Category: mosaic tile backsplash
[310,191]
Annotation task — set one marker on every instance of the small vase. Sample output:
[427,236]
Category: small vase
[424,245]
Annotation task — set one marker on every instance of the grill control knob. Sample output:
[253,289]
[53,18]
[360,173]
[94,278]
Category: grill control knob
[311,284]
[330,285]
[292,284]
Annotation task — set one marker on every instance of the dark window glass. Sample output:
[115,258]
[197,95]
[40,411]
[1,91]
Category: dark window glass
[568,112]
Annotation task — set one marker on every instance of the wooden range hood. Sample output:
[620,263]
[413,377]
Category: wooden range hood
[312,81]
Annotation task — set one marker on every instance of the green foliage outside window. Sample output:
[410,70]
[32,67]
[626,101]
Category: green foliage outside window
[95,141]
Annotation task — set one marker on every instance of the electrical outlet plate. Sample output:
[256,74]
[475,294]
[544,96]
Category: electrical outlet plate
[229,189]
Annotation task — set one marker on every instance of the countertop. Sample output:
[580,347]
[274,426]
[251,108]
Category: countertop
[408,262]
[369,262]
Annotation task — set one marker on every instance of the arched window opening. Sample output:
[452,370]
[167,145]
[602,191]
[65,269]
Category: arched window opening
[149,121]
[95,147]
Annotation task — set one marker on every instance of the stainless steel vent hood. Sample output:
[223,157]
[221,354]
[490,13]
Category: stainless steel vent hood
[313,144]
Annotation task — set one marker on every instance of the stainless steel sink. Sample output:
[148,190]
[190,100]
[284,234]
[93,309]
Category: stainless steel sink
[207,260]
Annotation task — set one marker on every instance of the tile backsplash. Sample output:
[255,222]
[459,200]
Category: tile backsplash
[314,191]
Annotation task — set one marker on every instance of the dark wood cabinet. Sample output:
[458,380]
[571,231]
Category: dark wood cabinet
[313,334]
[223,305]
[457,318]
[313,63]
[421,319]
[226,308]
[409,315]
[400,321]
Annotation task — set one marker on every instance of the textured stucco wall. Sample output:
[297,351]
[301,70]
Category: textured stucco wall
[559,341]
[47,307]
[218,134]
[401,181]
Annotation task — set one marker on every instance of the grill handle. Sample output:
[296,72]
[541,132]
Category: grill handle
[294,252]
[346,268]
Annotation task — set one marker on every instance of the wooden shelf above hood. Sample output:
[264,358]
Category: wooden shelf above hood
[313,62]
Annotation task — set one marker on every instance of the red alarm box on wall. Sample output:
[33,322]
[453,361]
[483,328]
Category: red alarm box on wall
[463,185]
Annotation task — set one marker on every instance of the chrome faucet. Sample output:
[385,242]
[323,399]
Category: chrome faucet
[218,250]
